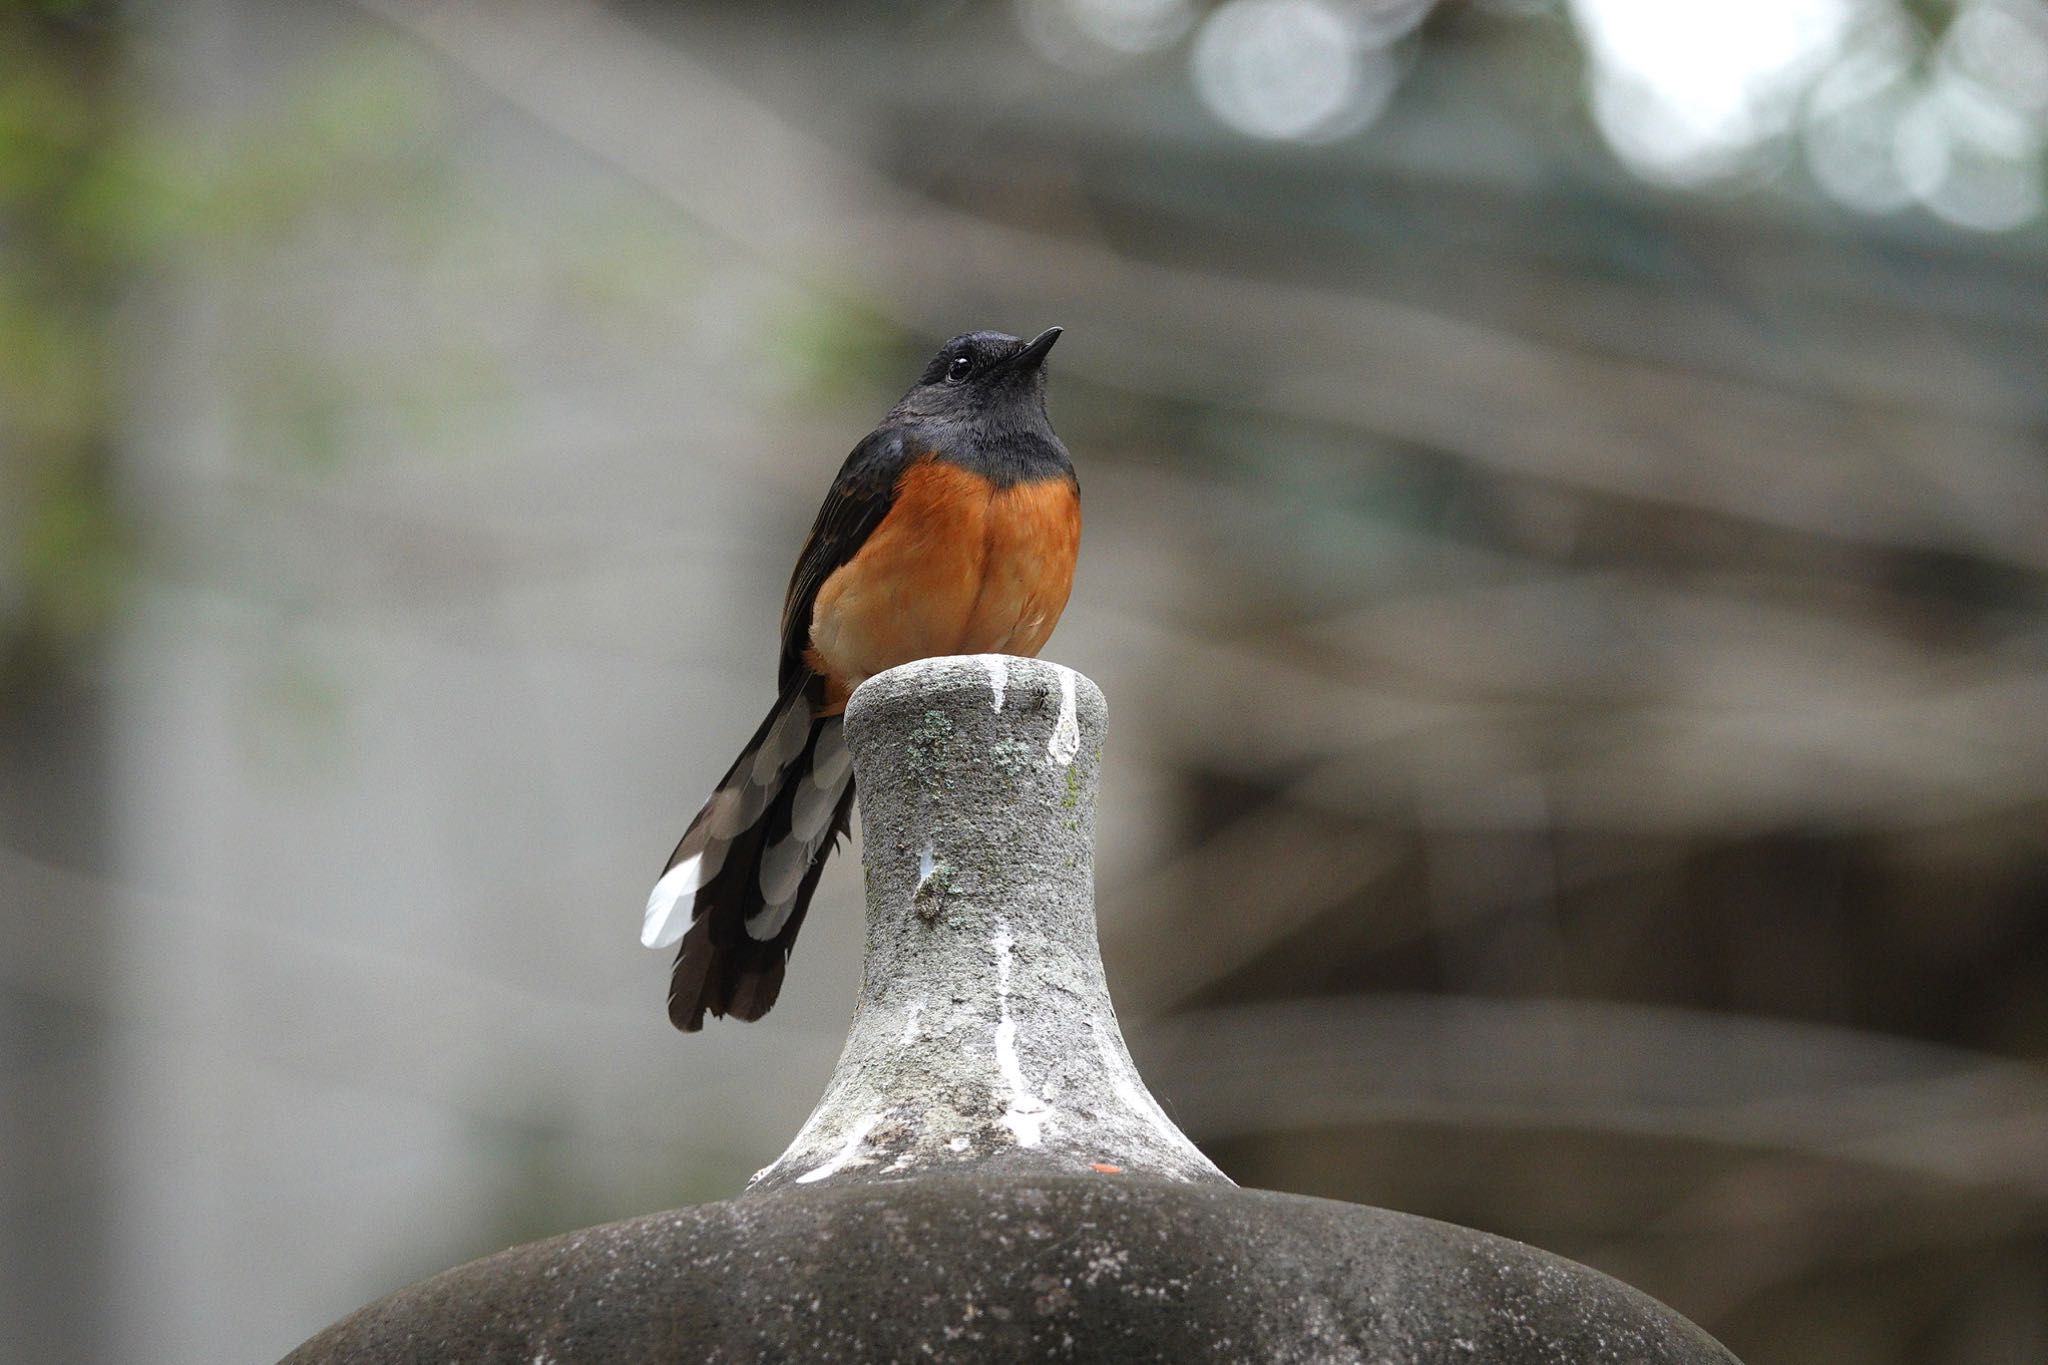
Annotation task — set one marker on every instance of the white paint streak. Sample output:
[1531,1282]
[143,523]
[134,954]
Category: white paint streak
[1123,1079]
[1003,942]
[998,676]
[910,1025]
[1066,731]
[846,1151]
[1026,1115]
[958,1144]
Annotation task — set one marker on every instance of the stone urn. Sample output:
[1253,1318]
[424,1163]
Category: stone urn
[986,1177]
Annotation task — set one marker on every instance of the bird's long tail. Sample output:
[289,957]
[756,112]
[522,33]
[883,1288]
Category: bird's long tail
[736,888]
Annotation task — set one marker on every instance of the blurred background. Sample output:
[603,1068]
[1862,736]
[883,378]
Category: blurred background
[1567,552]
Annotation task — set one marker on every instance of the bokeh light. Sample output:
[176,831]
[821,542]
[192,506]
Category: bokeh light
[1686,93]
[1969,159]
[1095,34]
[1376,23]
[2002,45]
[1853,116]
[1682,89]
[1970,147]
[1291,69]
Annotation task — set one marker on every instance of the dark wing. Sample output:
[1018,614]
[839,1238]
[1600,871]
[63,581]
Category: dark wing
[861,496]
[768,829]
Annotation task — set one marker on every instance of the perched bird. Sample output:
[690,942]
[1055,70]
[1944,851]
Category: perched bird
[951,529]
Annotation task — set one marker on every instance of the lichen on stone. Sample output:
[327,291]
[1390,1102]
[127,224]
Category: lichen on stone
[929,900]
[929,741]
[1011,756]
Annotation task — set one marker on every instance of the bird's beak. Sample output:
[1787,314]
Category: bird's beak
[1032,356]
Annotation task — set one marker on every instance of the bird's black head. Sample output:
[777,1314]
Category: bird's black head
[987,375]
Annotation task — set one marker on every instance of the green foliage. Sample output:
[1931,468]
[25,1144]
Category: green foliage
[61,546]
[96,200]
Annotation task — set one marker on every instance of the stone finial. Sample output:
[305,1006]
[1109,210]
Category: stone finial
[984,1035]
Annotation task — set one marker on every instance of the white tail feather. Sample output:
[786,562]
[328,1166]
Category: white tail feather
[668,907]
[735,807]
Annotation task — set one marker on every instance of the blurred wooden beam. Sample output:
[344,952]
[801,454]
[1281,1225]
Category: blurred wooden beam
[1626,1070]
[1670,436]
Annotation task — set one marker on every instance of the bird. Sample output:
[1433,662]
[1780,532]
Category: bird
[952,528]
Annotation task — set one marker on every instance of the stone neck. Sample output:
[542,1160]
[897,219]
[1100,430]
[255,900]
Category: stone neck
[984,1035]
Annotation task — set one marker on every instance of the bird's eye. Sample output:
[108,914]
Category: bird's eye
[957,371]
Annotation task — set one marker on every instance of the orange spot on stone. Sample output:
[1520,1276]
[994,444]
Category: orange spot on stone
[1105,1168]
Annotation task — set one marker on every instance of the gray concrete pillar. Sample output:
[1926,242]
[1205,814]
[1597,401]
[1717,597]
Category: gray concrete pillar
[984,1035]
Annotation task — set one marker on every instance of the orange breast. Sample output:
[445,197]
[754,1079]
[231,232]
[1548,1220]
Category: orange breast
[1033,538]
[957,567]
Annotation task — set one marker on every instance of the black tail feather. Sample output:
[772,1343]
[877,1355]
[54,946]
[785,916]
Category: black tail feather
[722,968]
